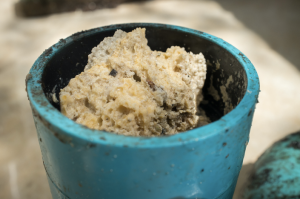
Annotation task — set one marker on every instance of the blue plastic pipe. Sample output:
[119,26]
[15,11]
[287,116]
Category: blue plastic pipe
[84,163]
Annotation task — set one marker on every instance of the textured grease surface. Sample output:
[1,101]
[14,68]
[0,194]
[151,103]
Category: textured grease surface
[127,88]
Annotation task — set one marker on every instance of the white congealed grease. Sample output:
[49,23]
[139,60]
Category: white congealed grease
[127,88]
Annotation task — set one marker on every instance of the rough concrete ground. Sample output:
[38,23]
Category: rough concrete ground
[267,33]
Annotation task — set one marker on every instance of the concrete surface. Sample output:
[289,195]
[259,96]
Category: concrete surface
[271,45]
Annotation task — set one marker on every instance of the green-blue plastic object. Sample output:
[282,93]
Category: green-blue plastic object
[201,163]
[276,173]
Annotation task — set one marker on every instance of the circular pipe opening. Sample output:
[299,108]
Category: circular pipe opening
[230,89]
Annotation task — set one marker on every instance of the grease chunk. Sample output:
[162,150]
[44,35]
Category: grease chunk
[126,88]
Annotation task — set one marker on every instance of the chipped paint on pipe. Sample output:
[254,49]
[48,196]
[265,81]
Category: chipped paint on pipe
[276,173]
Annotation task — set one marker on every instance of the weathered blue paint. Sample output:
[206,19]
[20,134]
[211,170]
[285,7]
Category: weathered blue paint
[277,172]
[85,163]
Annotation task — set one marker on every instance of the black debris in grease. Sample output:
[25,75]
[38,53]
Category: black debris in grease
[151,84]
[113,72]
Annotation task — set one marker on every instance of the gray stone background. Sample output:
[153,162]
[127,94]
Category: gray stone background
[266,31]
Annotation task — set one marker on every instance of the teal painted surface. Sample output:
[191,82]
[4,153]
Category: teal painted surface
[277,171]
[85,163]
